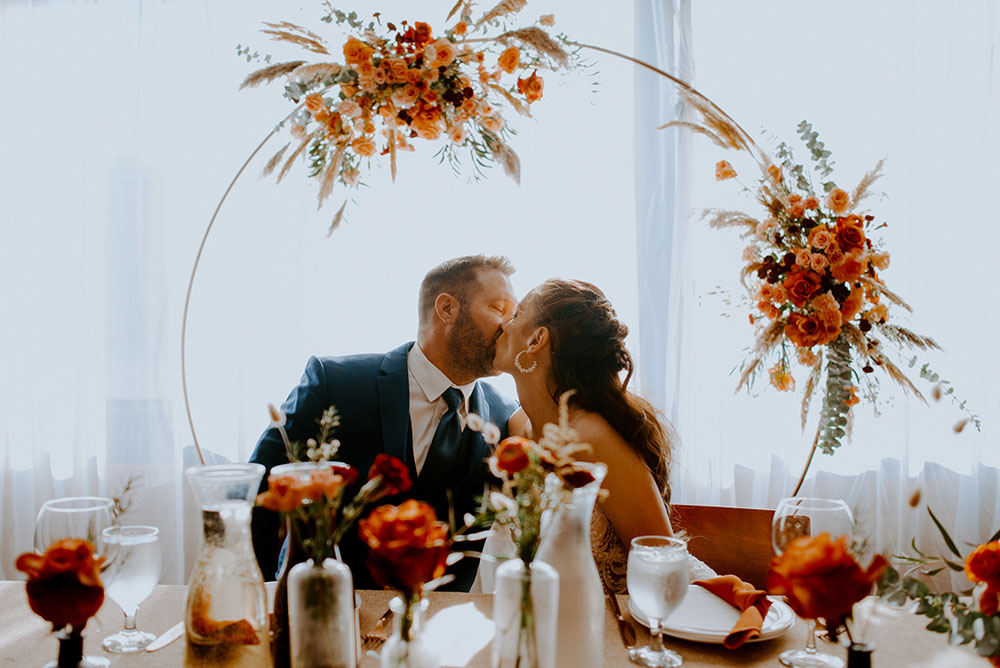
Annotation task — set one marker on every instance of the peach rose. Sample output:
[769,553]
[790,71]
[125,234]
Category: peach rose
[64,584]
[824,302]
[284,493]
[443,52]
[803,257]
[818,262]
[723,171]
[821,578]
[831,321]
[820,237]
[366,69]
[509,60]
[797,210]
[801,286]
[356,51]
[779,295]
[531,87]
[811,203]
[765,292]
[405,95]
[349,109]
[457,134]
[547,19]
[399,70]
[407,545]
[364,146]
[807,331]
[768,310]
[838,200]
[851,305]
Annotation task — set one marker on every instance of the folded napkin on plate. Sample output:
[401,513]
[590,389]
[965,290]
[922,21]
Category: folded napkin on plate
[753,602]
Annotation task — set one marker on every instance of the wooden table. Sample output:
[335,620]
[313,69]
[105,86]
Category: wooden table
[458,624]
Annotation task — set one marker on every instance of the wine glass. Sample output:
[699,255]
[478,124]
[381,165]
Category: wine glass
[81,517]
[795,518]
[133,570]
[657,582]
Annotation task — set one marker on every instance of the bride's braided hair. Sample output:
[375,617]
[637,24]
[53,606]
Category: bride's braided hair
[588,355]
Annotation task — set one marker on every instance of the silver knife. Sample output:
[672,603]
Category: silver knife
[172,634]
[626,629]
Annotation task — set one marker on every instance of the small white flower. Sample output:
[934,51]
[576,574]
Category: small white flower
[491,433]
[502,503]
[474,422]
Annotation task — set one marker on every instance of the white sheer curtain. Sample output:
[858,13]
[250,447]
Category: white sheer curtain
[918,84]
[122,125]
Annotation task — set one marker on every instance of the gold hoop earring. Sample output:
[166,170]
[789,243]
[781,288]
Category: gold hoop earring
[522,368]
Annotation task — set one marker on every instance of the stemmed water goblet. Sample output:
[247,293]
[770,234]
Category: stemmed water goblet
[803,517]
[133,569]
[657,582]
[80,517]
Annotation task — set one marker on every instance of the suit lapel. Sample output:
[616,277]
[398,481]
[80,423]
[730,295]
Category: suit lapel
[394,403]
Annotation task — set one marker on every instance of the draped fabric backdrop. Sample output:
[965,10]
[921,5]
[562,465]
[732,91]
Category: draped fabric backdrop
[916,84]
[122,126]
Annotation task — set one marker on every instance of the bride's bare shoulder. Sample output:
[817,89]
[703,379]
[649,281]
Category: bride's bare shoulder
[606,442]
[518,424]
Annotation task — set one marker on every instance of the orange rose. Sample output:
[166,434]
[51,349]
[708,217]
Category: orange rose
[531,87]
[983,564]
[321,482]
[807,331]
[407,545]
[64,584]
[838,200]
[460,28]
[723,171]
[781,379]
[811,203]
[364,146]
[421,32]
[820,237]
[314,102]
[779,295]
[797,210]
[512,455]
[509,59]
[851,305]
[821,578]
[394,474]
[768,309]
[400,70]
[850,233]
[831,321]
[818,262]
[850,268]
[878,314]
[356,51]
[801,286]
[803,257]
[443,53]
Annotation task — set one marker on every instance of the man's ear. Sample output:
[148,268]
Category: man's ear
[539,340]
[446,308]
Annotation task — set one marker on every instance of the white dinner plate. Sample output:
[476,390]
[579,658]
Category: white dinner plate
[704,617]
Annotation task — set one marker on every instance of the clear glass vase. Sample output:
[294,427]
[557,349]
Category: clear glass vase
[406,647]
[321,615]
[226,602]
[566,547]
[525,606]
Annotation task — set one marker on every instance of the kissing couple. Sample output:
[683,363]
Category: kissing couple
[563,335]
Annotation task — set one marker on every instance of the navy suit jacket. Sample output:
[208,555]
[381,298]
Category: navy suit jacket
[371,393]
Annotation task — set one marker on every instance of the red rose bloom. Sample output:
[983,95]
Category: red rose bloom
[395,475]
[407,545]
[512,455]
[850,233]
[64,584]
[801,286]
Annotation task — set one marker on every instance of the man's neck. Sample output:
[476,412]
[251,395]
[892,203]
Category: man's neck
[437,354]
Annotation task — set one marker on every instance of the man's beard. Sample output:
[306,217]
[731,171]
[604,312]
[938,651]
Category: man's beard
[470,349]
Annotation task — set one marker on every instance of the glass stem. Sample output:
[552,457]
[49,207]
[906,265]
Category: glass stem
[811,636]
[130,620]
[656,629]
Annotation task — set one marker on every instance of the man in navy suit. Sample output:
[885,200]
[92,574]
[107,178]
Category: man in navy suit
[393,404]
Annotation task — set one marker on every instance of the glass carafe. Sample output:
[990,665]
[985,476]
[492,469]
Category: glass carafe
[226,601]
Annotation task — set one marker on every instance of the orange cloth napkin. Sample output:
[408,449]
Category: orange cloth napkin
[753,602]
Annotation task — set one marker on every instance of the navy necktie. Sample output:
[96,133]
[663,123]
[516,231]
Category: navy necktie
[445,444]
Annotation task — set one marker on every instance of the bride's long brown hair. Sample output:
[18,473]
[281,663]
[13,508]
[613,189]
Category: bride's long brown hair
[587,341]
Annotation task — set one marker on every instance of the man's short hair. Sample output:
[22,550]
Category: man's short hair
[458,277]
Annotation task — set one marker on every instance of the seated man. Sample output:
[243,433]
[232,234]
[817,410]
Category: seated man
[393,403]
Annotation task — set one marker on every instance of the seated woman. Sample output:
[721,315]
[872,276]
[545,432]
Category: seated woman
[563,336]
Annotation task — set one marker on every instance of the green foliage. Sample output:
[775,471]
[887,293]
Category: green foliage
[819,154]
[931,376]
[833,416]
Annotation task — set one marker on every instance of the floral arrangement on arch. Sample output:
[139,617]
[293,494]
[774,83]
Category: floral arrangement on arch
[813,268]
[970,616]
[401,81]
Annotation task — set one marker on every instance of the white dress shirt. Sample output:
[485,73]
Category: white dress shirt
[427,406]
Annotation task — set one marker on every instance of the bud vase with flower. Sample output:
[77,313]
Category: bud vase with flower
[315,622]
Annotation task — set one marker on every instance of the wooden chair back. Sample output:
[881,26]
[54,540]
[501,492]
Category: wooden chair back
[733,541]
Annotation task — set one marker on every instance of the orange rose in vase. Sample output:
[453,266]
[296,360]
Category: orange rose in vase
[407,546]
[64,584]
[821,578]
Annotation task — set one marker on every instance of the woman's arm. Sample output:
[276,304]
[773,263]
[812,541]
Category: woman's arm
[633,505]
[518,424]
